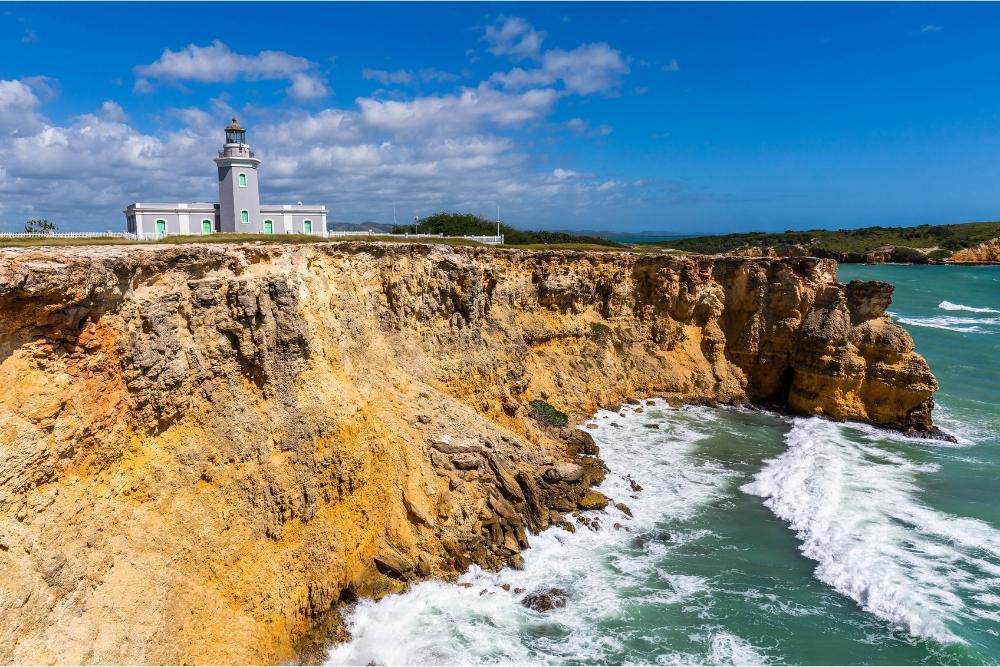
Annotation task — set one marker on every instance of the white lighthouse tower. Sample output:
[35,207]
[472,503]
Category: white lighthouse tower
[239,208]
[239,196]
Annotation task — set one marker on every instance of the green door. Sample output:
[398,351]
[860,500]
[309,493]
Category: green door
[307,227]
[268,227]
[206,226]
[161,228]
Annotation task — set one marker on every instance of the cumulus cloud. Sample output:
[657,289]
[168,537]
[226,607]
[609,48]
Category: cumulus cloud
[587,69]
[465,109]
[513,36]
[932,28]
[217,63]
[672,66]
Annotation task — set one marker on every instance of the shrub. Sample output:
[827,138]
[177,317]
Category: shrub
[544,413]
[599,333]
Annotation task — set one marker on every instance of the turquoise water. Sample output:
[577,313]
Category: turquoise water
[759,538]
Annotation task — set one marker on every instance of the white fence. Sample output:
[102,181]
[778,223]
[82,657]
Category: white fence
[65,235]
[155,236]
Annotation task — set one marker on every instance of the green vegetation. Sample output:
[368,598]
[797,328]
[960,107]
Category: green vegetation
[467,224]
[39,226]
[545,413]
[945,237]
[599,333]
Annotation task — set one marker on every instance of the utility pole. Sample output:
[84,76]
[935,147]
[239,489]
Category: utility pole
[416,224]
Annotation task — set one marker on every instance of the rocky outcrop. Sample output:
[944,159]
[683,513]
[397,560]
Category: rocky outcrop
[987,252]
[207,448]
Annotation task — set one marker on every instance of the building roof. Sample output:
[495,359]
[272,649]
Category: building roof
[235,126]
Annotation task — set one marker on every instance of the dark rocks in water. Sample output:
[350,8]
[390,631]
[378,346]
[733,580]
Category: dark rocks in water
[639,411]
[653,536]
[517,562]
[650,402]
[592,426]
[653,426]
[546,599]
[616,424]
[632,401]
[634,485]
[506,587]
[625,509]
[518,590]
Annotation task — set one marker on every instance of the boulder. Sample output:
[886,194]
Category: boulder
[546,599]
[564,472]
[393,564]
[584,442]
[592,500]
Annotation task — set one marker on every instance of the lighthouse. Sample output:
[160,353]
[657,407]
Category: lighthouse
[239,195]
[238,209]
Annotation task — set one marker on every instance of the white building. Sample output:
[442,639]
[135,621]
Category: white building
[239,209]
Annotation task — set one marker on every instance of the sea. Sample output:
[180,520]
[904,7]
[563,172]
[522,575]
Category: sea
[759,538]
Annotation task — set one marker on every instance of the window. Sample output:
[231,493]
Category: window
[245,216]
[243,180]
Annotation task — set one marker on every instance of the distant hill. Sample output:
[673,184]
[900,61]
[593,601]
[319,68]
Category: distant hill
[927,242]
[358,226]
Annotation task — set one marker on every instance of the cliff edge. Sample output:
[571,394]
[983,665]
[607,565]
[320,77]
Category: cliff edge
[207,448]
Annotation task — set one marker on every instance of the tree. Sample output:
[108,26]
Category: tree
[39,226]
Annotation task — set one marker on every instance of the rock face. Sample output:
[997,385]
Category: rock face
[206,448]
[987,252]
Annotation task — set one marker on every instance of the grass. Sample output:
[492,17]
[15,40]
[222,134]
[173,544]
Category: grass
[867,239]
[545,413]
[299,239]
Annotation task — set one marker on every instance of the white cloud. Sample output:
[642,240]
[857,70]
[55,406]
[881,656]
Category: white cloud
[307,87]
[587,69]
[386,77]
[18,109]
[672,66]
[217,63]
[402,76]
[515,37]
[29,37]
[563,174]
[465,109]
[932,28]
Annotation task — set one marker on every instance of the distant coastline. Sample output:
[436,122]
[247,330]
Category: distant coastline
[967,243]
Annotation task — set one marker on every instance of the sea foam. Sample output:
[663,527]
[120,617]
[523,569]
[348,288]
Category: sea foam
[855,508]
[948,305]
[607,576]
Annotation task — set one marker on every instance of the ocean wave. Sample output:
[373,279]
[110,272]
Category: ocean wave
[854,506]
[607,573]
[951,323]
[948,305]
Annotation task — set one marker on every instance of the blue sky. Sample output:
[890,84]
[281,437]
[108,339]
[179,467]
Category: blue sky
[626,117]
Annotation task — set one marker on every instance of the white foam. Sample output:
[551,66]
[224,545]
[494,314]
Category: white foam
[948,305]
[439,623]
[951,323]
[855,507]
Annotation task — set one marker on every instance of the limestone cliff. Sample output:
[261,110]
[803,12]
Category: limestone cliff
[987,252]
[205,448]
